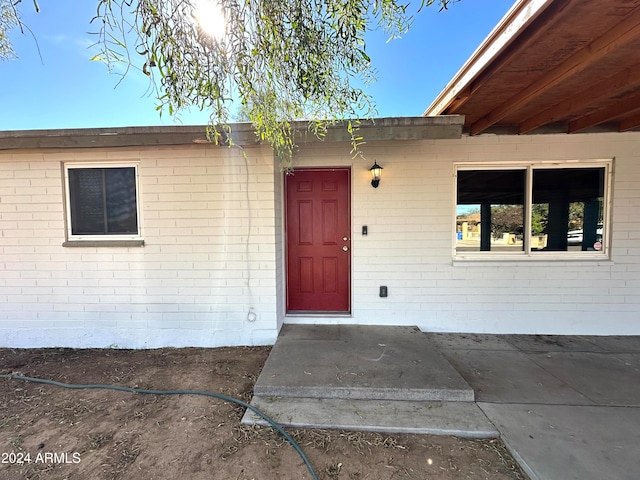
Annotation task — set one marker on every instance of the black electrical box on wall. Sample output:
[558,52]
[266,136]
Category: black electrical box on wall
[383,291]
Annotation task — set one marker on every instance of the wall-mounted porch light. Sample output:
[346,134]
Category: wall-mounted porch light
[376,173]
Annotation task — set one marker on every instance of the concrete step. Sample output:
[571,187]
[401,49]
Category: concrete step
[428,393]
[462,419]
[359,362]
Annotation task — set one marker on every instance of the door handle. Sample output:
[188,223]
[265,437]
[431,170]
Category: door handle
[345,248]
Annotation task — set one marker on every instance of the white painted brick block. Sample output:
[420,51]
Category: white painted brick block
[405,209]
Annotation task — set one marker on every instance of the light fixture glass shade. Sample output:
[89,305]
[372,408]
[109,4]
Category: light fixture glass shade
[376,173]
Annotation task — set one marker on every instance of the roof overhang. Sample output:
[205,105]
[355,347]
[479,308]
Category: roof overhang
[381,129]
[552,66]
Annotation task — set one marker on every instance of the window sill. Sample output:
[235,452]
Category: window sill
[103,243]
[532,261]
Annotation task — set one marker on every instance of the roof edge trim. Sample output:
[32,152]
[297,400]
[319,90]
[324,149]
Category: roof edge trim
[390,128]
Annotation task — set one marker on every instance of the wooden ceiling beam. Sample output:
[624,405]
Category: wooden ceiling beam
[608,87]
[605,114]
[629,123]
[460,100]
[626,31]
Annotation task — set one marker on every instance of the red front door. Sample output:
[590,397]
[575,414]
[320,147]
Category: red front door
[318,232]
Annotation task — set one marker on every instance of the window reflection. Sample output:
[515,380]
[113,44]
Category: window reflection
[566,210]
[490,210]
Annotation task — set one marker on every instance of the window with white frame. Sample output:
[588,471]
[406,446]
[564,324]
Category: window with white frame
[535,209]
[102,201]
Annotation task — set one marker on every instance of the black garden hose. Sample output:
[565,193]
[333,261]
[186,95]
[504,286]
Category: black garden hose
[219,396]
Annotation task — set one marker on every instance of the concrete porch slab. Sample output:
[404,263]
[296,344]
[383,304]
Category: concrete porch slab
[617,344]
[359,362]
[605,378]
[469,341]
[461,419]
[512,376]
[570,442]
[553,343]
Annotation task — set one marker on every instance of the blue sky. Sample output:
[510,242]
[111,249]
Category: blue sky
[66,90]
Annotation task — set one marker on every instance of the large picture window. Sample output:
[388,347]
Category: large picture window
[102,202]
[530,209]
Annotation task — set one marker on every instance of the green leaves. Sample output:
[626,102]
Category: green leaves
[282,60]
[9,19]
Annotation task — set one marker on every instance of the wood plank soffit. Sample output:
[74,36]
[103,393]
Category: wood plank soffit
[610,112]
[608,87]
[629,123]
[554,14]
[626,31]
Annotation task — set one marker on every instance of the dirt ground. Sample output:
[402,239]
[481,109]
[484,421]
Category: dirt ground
[49,432]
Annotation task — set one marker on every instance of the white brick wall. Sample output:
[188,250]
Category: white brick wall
[208,224]
[214,248]
[409,245]
[278,181]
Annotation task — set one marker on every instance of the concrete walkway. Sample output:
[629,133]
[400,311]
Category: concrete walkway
[566,407]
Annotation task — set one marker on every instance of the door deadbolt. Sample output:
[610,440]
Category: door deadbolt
[345,239]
